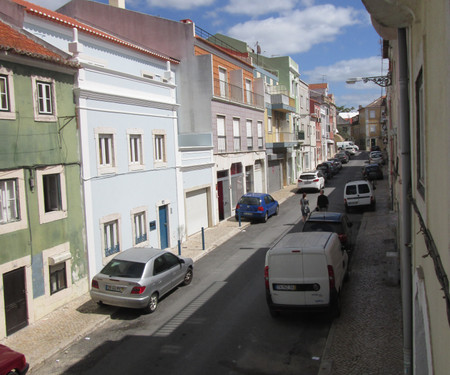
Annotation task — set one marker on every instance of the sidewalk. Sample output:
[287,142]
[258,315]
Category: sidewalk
[75,320]
[365,339]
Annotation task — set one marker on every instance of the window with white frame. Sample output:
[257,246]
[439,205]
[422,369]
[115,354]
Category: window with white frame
[373,129]
[269,124]
[159,144]
[135,149]
[57,271]
[249,135]
[44,95]
[236,134]
[139,226]
[106,152]
[7,102]
[420,134]
[110,227]
[221,138]
[372,113]
[52,199]
[12,201]
[248,91]
[223,82]
[260,135]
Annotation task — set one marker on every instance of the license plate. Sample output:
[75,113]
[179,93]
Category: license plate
[114,288]
[289,287]
[307,182]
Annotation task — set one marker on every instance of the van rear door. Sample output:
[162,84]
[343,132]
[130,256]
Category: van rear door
[286,278]
[316,281]
[364,194]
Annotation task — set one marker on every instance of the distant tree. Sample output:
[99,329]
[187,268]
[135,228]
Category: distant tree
[343,108]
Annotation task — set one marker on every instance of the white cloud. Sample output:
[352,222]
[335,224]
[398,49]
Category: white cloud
[344,69]
[297,31]
[258,7]
[179,4]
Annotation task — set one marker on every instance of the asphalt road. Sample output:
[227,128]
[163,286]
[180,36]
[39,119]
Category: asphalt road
[220,323]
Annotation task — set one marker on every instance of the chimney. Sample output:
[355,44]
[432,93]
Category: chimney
[117,3]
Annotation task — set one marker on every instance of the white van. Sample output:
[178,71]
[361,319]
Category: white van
[305,271]
[346,144]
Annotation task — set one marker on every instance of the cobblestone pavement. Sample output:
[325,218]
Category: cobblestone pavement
[367,337]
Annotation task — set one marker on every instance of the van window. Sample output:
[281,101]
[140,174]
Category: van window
[363,188]
[350,190]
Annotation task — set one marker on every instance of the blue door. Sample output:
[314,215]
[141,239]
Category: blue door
[163,227]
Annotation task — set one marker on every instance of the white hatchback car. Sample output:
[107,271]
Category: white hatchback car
[311,180]
[359,193]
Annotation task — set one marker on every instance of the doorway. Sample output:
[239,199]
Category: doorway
[16,310]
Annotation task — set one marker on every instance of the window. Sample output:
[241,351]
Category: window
[58,280]
[249,135]
[269,124]
[139,226]
[12,201]
[372,113]
[260,135]
[420,134]
[248,91]
[135,146]
[223,82]
[106,152]
[52,199]
[7,103]
[9,201]
[111,238]
[44,99]
[373,128]
[159,138]
[221,139]
[236,134]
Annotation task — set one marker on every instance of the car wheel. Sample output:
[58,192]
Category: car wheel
[266,217]
[336,307]
[152,304]
[188,277]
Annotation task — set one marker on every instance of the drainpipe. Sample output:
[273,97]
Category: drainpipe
[405,208]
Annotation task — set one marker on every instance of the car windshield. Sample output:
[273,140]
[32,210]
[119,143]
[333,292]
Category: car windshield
[252,201]
[323,226]
[124,268]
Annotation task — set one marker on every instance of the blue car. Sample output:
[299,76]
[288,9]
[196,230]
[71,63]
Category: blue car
[256,206]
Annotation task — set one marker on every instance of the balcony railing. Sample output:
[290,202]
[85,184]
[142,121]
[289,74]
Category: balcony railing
[222,44]
[223,89]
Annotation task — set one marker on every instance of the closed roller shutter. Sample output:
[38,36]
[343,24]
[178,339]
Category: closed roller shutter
[196,211]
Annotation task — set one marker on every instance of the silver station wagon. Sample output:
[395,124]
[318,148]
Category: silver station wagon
[138,277]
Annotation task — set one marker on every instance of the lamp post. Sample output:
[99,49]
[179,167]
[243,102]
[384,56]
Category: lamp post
[382,81]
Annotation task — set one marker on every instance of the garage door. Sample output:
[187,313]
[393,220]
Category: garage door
[274,176]
[196,211]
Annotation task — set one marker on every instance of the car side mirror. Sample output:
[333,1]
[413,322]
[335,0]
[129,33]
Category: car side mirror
[181,261]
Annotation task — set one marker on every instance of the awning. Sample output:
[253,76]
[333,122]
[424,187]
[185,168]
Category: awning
[59,258]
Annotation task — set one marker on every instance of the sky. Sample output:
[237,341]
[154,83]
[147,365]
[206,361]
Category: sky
[330,40]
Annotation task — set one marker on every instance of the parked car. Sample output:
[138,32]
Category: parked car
[376,157]
[359,193]
[350,149]
[375,148]
[311,180]
[137,278]
[12,362]
[256,206]
[334,169]
[372,172]
[336,222]
[337,163]
[305,271]
[342,156]
[326,171]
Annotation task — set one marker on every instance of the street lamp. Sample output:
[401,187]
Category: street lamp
[382,81]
